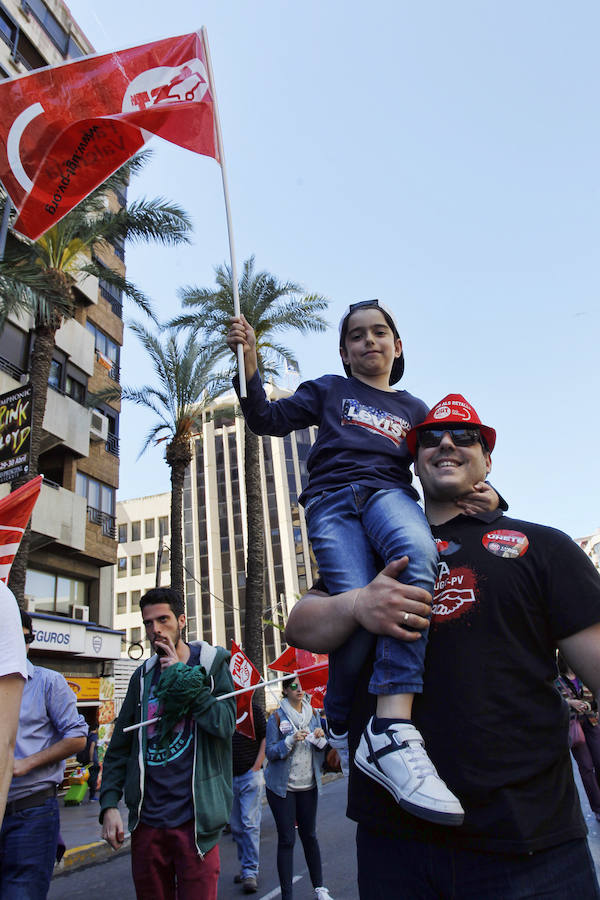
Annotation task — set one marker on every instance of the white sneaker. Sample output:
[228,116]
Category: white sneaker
[397,759]
[321,893]
[339,742]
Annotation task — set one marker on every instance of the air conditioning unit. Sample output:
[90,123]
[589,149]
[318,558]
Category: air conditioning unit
[81,613]
[98,427]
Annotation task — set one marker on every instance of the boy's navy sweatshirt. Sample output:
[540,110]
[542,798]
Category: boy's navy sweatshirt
[361,430]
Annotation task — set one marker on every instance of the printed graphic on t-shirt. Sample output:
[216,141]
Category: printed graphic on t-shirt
[446,548]
[508,544]
[455,593]
[180,739]
[380,421]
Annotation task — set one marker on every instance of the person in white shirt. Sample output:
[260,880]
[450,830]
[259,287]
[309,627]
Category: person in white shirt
[13,673]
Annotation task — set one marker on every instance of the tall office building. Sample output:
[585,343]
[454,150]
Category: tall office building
[69,587]
[215,534]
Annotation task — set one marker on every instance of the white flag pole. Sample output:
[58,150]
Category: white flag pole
[234,279]
[253,687]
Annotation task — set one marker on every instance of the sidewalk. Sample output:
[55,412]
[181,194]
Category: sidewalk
[80,831]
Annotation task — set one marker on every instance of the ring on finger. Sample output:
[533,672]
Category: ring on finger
[406,615]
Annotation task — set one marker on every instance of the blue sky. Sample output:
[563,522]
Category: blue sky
[440,156]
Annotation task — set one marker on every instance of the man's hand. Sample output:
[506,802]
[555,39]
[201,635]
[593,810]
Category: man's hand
[165,648]
[22,766]
[112,828]
[386,606]
[242,332]
[482,498]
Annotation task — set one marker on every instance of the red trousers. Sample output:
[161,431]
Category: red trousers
[165,864]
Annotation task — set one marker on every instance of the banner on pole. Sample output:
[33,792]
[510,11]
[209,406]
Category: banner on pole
[244,675]
[15,433]
[64,129]
[316,666]
[15,511]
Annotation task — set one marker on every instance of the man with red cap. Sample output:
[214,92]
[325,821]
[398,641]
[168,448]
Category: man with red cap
[508,594]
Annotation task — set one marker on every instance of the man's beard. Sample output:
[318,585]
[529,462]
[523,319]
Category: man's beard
[176,640]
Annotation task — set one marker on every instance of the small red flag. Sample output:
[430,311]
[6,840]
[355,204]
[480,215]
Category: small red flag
[294,660]
[244,675]
[64,129]
[15,511]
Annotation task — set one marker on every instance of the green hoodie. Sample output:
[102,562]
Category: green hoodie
[123,768]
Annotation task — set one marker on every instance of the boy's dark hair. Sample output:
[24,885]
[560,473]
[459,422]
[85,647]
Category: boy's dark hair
[26,620]
[164,595]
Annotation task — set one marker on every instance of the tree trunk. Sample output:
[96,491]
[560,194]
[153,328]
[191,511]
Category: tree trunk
[253,632]
[39,372]
[178,457]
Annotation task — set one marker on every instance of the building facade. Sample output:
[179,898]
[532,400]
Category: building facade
[215,533]
[69,588]
[591,546]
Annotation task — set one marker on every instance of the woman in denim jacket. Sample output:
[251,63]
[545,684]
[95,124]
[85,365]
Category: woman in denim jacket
[295,742]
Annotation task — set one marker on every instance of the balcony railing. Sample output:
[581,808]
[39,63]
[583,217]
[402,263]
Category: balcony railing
[115,301]
[107,522]
[11,369]
[112,444]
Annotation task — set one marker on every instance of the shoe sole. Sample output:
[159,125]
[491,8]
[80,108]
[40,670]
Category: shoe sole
[430,815]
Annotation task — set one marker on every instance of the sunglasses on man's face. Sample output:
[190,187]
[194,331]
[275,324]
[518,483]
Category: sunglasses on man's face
[461,437]
[29,638]
[293,686]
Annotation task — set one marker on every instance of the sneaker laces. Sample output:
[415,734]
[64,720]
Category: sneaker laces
[417,756]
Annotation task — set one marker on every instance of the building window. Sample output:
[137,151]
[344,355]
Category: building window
[122,603]
[149,528]
[136,564]
[101,503]
[75,389]
[163,526]
[56,375]
[14,343]
[149,562]
[164,563]
[136,635]
[55,594]
[136,531]
[107,351]
[123,534]
[49,23]
[135,601]
[121,567]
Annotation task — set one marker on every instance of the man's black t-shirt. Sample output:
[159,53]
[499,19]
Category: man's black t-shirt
[168,800]
[494,726]
[244,749]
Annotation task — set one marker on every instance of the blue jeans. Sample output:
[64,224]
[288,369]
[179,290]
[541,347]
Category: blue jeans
[394,867]
[246,815]
[351,529]
[296,808]
[28,843]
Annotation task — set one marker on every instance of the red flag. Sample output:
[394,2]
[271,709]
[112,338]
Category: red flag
[244,675]
[15,510]
[293,660]
[64,129]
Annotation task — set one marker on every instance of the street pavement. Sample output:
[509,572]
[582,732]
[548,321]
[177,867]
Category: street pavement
[97,871]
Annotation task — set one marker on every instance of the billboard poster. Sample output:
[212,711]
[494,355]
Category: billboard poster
[15,432]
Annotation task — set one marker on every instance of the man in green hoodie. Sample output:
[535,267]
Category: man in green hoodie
[176,773]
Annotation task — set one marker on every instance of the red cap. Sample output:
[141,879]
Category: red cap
[452,410]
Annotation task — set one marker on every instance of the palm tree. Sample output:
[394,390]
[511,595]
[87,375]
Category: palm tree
[185,387]
[38,278]
[271,306]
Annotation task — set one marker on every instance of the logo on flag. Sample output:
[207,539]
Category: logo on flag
[64,129]
[244,675]
[15,511]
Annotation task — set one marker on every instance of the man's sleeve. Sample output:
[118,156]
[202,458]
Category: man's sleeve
[216,716]
[572,586]
[280,417]
[260,724]
[62,708]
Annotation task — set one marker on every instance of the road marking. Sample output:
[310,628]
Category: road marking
[277,891]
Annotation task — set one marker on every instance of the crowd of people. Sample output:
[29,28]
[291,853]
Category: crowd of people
[460,778]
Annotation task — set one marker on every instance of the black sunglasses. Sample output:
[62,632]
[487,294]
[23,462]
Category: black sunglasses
[461,437]
[29,638]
